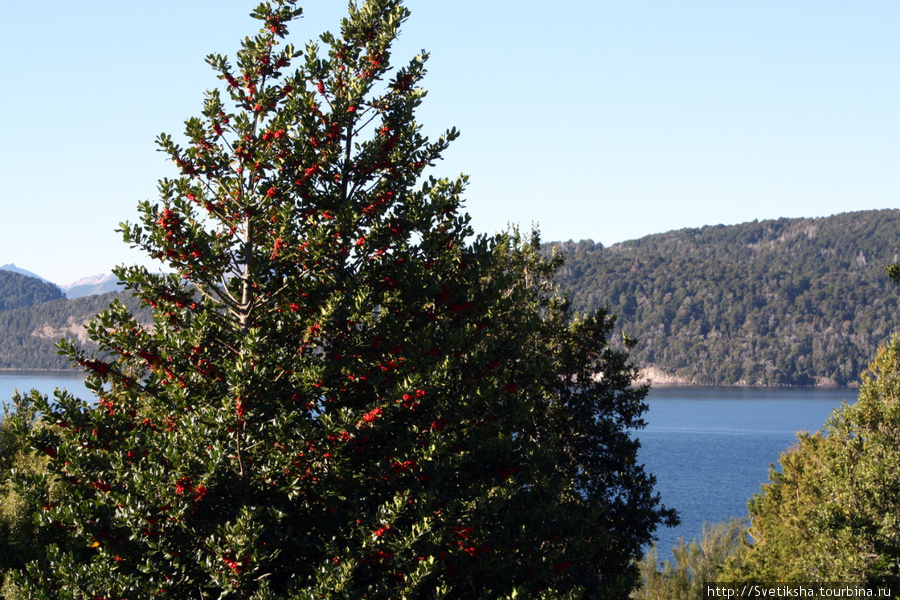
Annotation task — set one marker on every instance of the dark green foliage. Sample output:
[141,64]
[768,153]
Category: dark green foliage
[893,271]
[343,393]
[831,511]
[29,336]
[17,290]
[785,302]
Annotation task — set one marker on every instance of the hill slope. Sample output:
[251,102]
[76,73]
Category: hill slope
[18,290]
[781,302]
[28,335]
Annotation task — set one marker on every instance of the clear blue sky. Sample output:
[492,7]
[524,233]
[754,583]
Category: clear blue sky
[595,119]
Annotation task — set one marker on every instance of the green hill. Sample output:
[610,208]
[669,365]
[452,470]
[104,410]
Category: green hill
[28,335]
[782,302]
[17,290]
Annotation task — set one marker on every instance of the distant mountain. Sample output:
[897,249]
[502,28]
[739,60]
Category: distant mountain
[11,267]
[90,286]
[780,302]
[18,290]
[87,286]
[35,314]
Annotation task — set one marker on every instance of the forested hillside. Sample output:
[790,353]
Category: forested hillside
[782,302]
[17,290]
[28,335]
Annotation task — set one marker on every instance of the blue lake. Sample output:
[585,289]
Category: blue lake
[711,447]
[43,381]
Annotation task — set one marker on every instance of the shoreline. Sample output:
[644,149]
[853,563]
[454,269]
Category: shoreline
[656,377]
[649,375]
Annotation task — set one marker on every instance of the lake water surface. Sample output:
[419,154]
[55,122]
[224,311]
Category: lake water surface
[709,447]
[43,381]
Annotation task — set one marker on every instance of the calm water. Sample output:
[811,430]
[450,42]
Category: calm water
[710,447]
[43,381]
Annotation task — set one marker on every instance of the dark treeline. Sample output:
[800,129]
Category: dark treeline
[782,302]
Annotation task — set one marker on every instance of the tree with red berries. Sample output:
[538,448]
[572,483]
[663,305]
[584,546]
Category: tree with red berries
[340,395]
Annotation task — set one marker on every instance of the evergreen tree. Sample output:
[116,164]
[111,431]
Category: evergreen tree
[340,396]
[832,510]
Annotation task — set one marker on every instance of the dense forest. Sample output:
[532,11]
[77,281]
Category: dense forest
[780,302]
[17,290]
[28,335]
